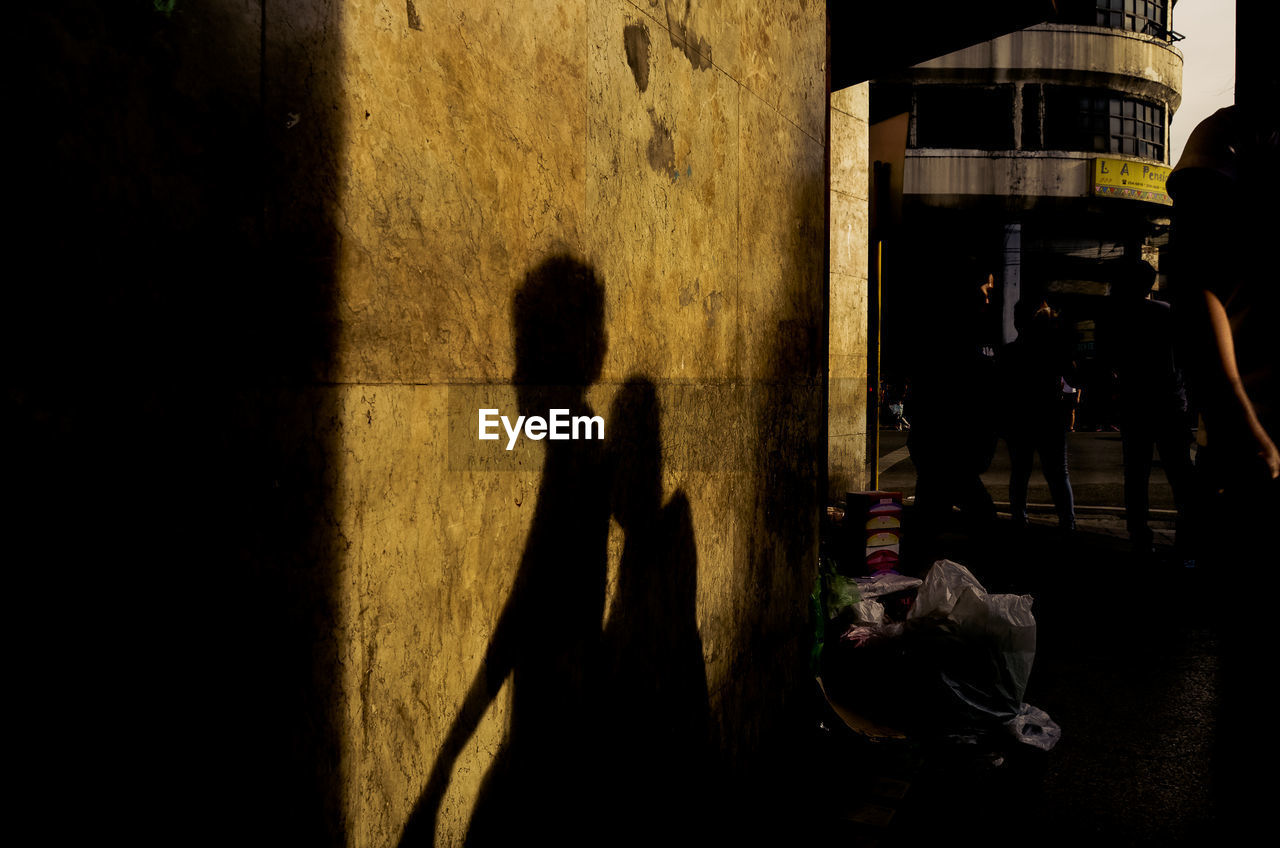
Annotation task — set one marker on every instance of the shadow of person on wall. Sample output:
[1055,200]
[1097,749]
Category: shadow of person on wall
[657,708]
[548,637]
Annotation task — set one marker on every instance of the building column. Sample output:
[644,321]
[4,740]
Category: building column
[851,420]
[1010,280]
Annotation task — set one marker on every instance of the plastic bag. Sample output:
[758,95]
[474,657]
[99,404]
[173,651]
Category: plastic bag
[958,665]
[1032,726]
[842,594]
[869,613]
[984,648]
[885,584]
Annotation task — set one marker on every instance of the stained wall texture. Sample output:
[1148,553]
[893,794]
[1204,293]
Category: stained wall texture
[674,151]
[847,414]
[301,244]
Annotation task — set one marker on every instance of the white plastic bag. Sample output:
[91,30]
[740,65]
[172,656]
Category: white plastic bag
[1003,626]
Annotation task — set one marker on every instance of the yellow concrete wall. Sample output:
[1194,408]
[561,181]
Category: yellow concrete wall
[281,244]
[848,470]
[480,140]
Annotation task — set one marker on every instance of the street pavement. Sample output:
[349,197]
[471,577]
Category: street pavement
[1094,460]
[1127,662]
[1096,470]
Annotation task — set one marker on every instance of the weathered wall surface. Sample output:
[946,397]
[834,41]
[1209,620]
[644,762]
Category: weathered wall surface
[847,398]
[1069,55]
[676,151]
[944,177]
[319,219]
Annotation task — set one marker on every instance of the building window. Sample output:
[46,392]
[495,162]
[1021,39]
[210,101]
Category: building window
[1150,17]
[1101,122]
[1142,16]
[964,117]
[1031,107]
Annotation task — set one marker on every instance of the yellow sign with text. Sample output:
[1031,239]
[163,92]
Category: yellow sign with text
[1133,180]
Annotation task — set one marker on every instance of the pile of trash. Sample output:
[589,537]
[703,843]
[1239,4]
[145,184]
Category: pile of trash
[934,656]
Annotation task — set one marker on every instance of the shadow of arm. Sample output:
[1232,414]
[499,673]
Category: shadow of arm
[420,829]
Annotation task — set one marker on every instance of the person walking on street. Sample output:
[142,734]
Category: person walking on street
[1033,369]
[1138,340]
[952,433]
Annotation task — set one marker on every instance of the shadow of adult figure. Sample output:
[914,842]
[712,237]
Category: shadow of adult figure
[548,636]
[658,711]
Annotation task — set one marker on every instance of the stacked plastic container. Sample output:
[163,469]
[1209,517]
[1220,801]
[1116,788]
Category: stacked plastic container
[874,524]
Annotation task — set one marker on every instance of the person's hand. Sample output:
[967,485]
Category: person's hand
[1267,454]
[1250,454]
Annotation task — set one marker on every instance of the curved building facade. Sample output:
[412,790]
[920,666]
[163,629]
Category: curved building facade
[1038,157]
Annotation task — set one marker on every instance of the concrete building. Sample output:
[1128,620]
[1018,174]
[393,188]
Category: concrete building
[287,252]
[1039,156]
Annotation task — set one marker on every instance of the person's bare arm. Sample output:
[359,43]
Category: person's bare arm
[1235,410]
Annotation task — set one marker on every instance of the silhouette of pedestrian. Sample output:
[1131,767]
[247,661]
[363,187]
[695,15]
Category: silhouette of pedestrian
[657,705]
[952,437]
[1138,340]
[1033,368]
[541,786]
[1224,188]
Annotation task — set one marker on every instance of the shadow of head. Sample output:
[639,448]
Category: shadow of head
[635,434]
[558,318]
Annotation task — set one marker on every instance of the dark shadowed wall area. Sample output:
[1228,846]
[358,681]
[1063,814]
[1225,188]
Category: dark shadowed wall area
[283,253]
[171,350]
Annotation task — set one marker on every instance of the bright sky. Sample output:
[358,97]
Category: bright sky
[1209,74]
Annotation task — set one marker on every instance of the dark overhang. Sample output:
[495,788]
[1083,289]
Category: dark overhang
[870,39]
